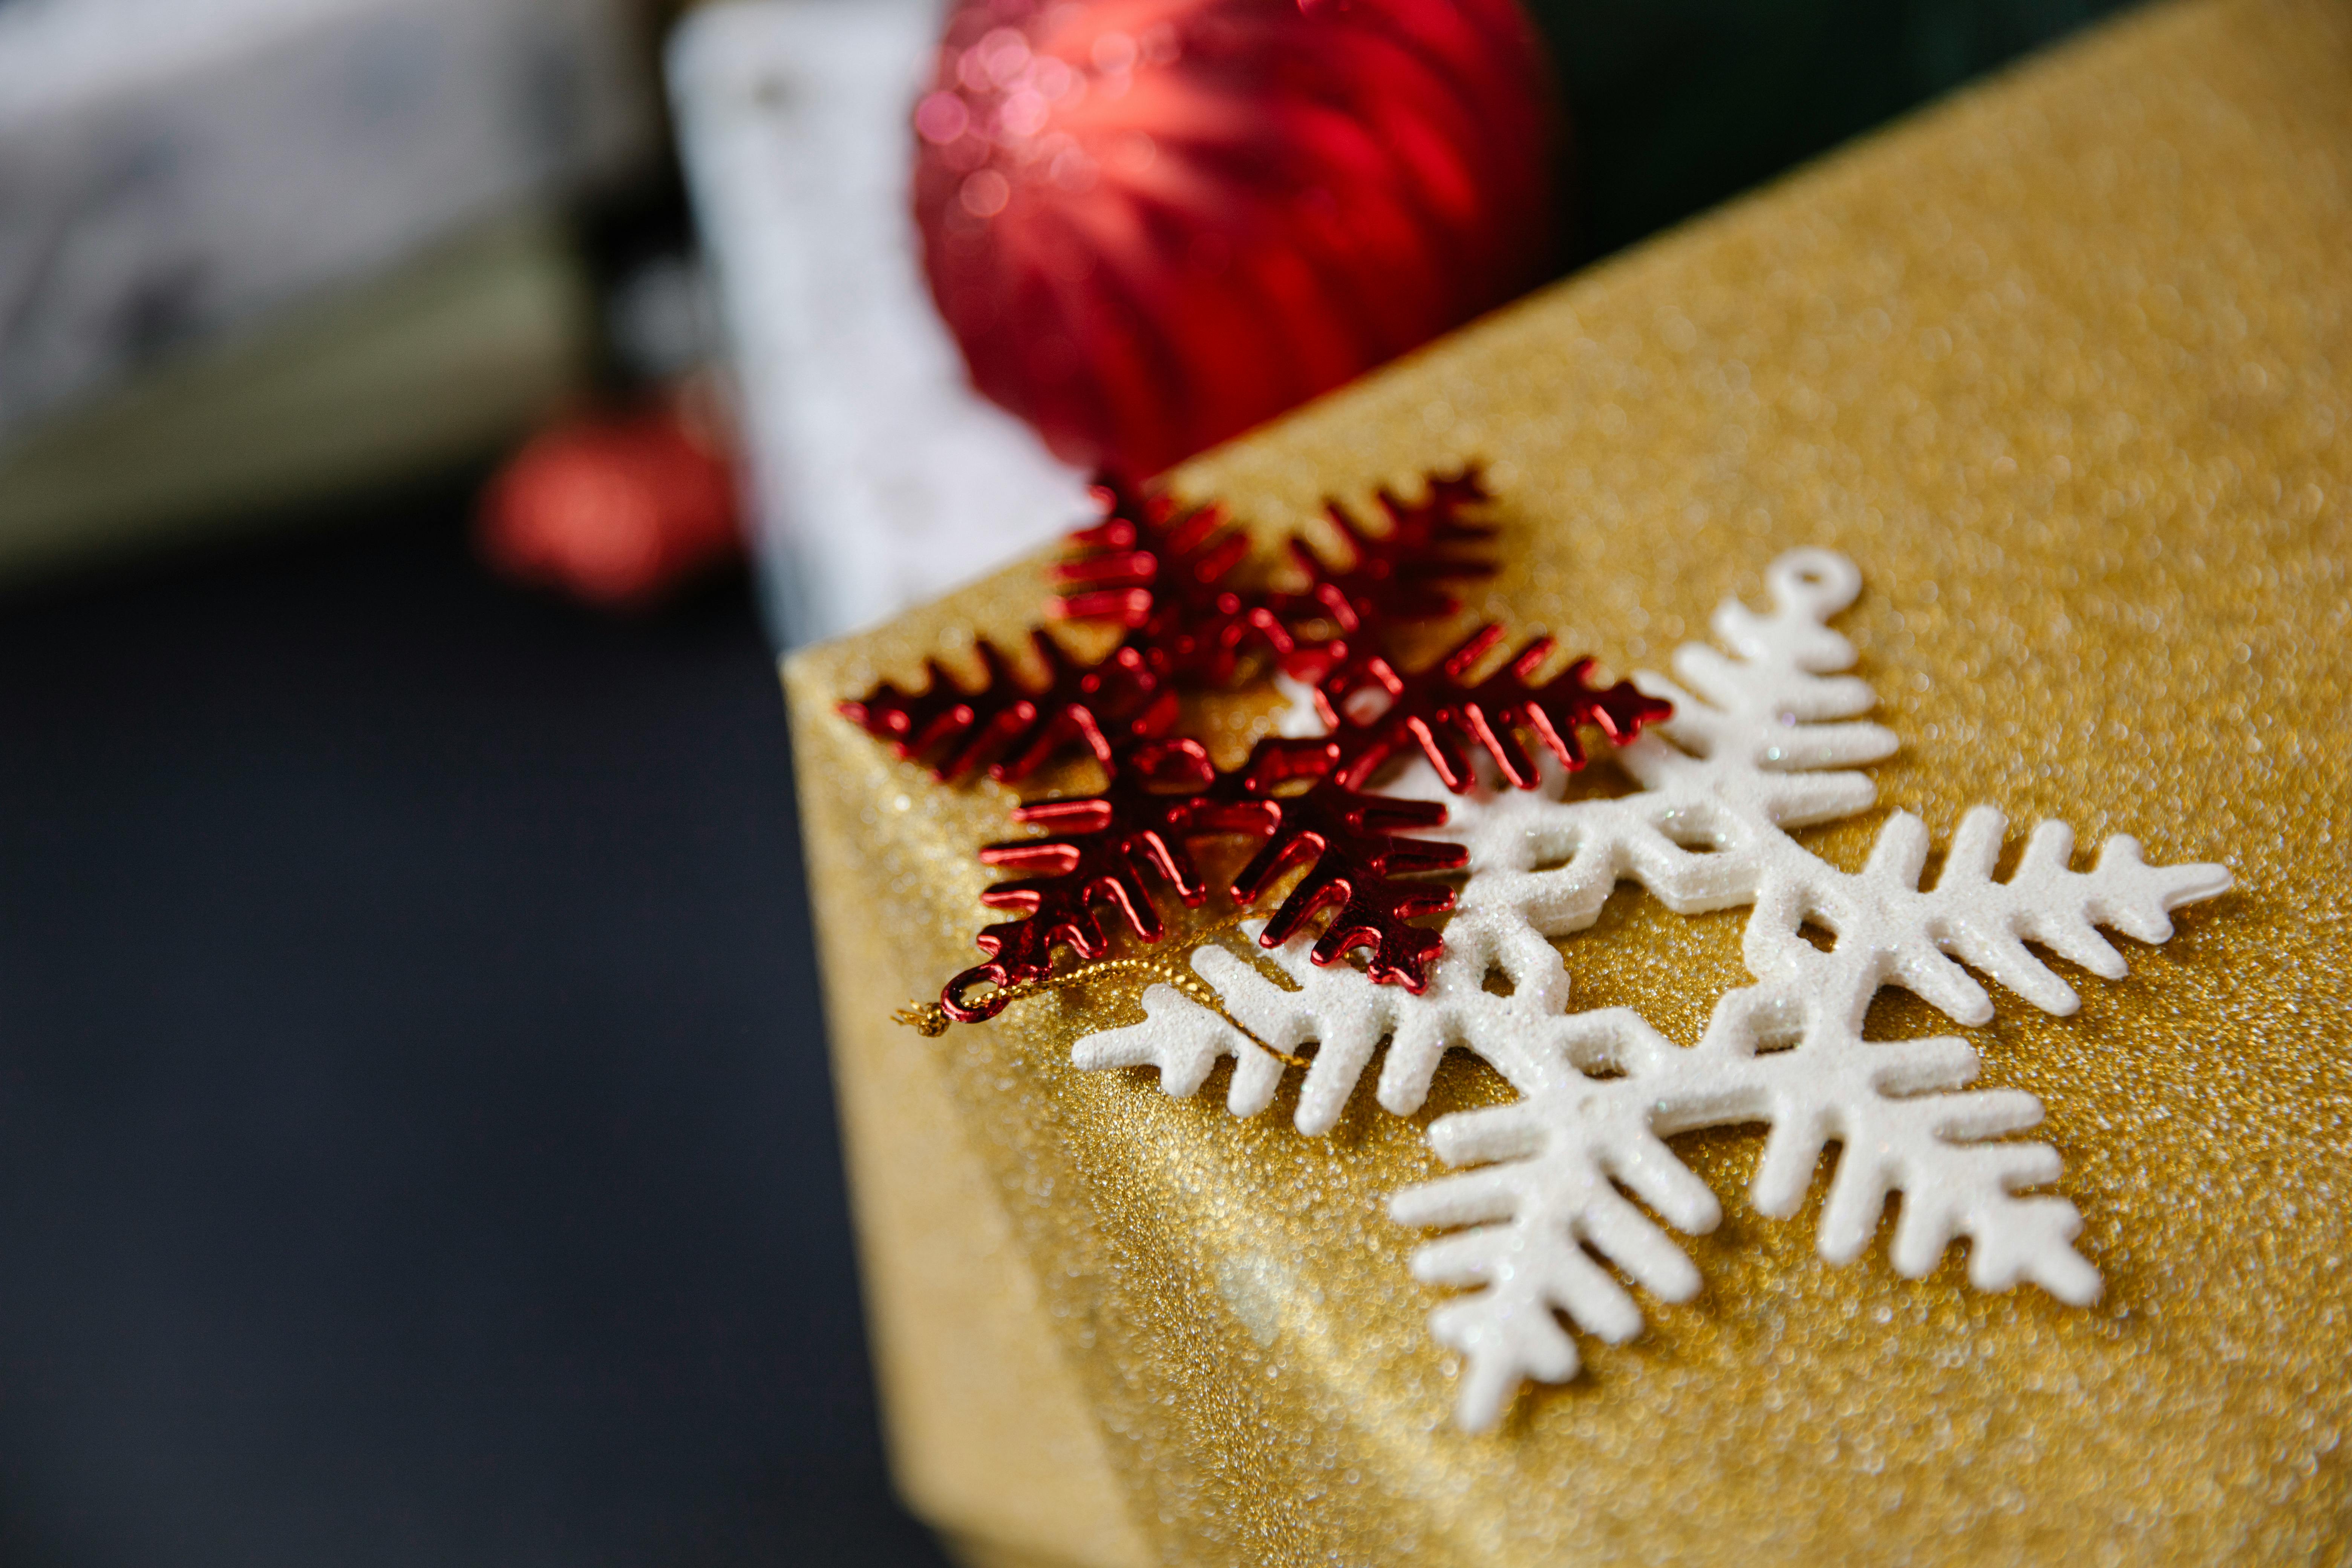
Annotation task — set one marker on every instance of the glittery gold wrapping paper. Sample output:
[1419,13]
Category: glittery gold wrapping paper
[2066,365]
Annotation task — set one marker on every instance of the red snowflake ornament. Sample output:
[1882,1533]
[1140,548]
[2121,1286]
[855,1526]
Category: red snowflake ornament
[1173,578]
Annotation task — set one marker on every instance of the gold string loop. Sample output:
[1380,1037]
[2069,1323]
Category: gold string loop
[931,1020]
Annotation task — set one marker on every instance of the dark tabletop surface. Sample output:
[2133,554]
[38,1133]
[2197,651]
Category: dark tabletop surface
[416,1144]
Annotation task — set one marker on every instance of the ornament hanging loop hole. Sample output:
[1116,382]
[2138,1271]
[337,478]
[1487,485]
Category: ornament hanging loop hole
[953,999]
[1816,583]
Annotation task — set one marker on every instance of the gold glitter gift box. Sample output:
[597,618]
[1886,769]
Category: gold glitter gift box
[2065,367]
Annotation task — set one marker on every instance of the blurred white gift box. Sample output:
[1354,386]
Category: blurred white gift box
[879,478]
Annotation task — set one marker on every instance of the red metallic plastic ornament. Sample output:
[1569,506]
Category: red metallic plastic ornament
[1153,224]
[1177,580]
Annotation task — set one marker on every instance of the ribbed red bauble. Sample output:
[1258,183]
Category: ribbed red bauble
[1151,224]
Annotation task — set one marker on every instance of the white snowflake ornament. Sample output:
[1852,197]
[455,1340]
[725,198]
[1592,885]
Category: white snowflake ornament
[1763,740]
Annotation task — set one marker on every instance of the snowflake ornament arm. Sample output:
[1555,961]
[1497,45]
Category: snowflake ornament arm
[1008,726]
[1347,1016]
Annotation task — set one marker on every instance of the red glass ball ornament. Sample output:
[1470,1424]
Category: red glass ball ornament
[616,509]
[1153,224]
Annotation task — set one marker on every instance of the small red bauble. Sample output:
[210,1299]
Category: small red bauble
[1153,224]
[616,509]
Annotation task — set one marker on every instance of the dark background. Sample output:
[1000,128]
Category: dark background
[1677,104]
[416,1144]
